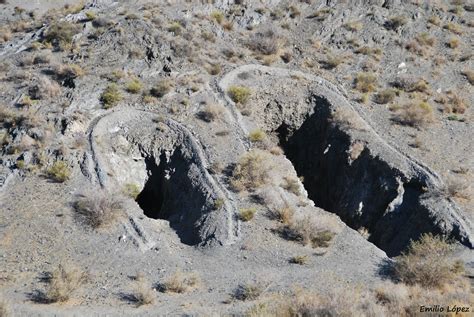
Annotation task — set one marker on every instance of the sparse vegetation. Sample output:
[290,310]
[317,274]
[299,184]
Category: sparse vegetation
[365,82]
[396,22]
[142,293]
[427,262]
[61,33]
[134,86]
[251,171]
[239,94]
[299,259]
[453,42]
[59,171]
[248,291]
[211,112]
[64,281]
[415,114]
[257,135]
[98,209]
[453,27]
[181,282]
[469,75]
[111,96]
[265,42]
[385,96]
[283,214]
[247,214]
[292,185]
[161,88]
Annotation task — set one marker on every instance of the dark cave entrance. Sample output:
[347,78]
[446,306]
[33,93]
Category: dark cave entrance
[360,192]
[170,193]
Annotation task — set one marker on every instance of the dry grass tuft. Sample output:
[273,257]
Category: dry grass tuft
[248,291]
[299,259]
[365,82]
[64,282]
[282,214]
[211,112]
[415,114]
[98,209]
[239,94]
[252,170]
[181,282]
[111,96]
[161,88]
[427,262]
[385,96]
[247,214]
[266,42]
[469,75]
[59,171]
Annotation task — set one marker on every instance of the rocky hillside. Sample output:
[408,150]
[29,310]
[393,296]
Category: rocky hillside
[260,158]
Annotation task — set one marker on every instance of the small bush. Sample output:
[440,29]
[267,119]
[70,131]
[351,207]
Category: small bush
[217,16]
[321,14]
[434,20]
[211,112]
[453,42]
[175,28]
[396,22]
[365,82]
[111,96]
[142,294]
[63,283]
[59,171]
[252,171]
[307,230]
[299,259]
[282,214]
[44,89]
[134,86]
[239,94]
[425,39]
[180,282]
[415,114]
[265,42]
[98,209]
[332,61]
[385,96]
[248,291]
[161,88]
[247,214]
[453,27]
[354,26]
[292,185]
[257,135]
[65,71]
[427,262]
[61,33]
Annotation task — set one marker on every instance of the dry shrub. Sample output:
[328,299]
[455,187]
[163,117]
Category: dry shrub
[425,39]
[347,119]
[308,230]
[143,293]
[239,94]
[283,214]
[248,291]
[247,214]
[181,282]
[266,42]
[5,35]
[455,104]
[299,259]
[65,280]
[365,82]
[98,209]
[252,170]
[453,27]
[356,150]
[395,22]
[427,262]
[458,187]
[211,112]
[257,135]
[64,71]
[385,96]
[161,88]
[44,89]
[61,33]
[416,114]
[292,184]
[59,171]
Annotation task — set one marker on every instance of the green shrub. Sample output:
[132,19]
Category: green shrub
[239,94]
[111,96]
[59,171]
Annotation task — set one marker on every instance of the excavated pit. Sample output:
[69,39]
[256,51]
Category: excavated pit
[170,194]
[365,193]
